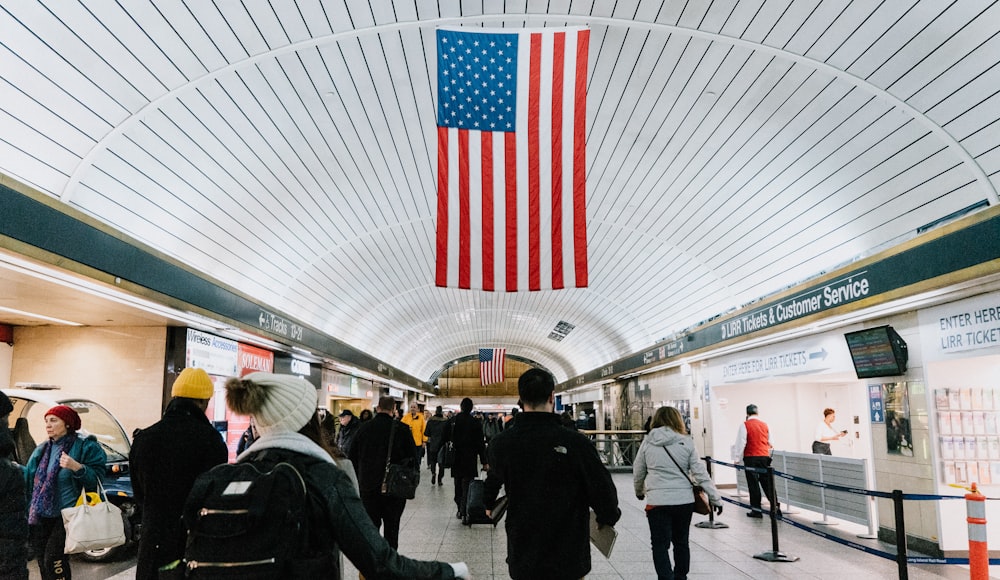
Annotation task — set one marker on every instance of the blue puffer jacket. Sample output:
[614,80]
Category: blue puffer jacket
[88,452]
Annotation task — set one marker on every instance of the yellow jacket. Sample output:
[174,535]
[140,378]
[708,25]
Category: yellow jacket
[416,427]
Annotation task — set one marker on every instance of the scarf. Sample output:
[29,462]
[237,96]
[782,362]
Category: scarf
[286,440]
[45,500]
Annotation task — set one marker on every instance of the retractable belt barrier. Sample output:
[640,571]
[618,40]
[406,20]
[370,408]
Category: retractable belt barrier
[896,496]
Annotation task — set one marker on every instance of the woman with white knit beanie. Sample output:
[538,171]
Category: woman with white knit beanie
[284,410]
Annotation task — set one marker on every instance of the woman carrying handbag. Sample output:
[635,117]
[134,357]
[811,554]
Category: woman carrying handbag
[65,463]
[661,476]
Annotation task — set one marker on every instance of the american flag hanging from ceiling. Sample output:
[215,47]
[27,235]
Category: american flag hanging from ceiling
[491,365]
[512,111]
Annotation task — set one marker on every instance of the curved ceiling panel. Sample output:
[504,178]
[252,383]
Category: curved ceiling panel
[288,149]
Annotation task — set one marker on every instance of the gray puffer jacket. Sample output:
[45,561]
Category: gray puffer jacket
[656,476]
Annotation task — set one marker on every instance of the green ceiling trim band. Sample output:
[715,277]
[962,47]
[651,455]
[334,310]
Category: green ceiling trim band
[963,248]
[37,224]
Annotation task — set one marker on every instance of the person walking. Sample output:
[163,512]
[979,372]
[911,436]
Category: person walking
[284,409]
[57,470]
[368,454]
[13,512]
[417,423]
[666,488]
[553,477]
[466,433]
[753,443]
[349,425]
[434,432]
[492,425]
[165,460]
[825,433]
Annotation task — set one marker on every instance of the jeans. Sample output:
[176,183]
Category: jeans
[758,481]
[670,524]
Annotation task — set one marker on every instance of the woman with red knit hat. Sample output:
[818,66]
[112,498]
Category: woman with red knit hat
[56,472]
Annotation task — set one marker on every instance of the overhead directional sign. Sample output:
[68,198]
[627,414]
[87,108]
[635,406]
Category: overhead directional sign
[875,403]
[876,279]
[818,354]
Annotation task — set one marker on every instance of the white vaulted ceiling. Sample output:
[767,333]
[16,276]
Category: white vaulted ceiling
[288,149]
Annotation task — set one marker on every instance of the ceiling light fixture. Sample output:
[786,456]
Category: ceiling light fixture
[79,283]
[39,316]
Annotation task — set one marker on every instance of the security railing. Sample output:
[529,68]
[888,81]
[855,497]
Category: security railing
[616,448]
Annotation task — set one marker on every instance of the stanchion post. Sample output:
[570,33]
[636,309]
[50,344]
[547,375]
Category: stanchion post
[979,558]
[711,523]
[897,504]
[775,555]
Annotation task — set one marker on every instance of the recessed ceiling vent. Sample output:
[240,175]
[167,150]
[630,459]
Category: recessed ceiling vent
[561,330]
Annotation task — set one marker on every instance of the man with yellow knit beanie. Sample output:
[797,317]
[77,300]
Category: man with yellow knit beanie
[166,458]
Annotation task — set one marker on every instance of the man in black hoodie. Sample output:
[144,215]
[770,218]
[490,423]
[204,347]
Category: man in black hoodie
[553,477]
[165,460]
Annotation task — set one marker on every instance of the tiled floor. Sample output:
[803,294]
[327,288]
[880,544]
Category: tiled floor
[430,531]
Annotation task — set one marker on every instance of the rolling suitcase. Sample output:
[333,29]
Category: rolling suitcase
[475,510]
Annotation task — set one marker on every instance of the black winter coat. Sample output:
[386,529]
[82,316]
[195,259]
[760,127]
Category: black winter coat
[13,521]
[553,477]
[470,445]
[338,516]
[368,452]
[435,434]
[346,435]
[164,462]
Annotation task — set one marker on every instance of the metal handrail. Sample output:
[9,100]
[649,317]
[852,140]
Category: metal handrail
[617,448]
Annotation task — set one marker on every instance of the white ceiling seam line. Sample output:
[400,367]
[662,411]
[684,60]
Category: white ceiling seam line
[512,310]
[664,243]
[980,175]
[310,265]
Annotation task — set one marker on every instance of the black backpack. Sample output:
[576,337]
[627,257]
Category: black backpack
[251,520]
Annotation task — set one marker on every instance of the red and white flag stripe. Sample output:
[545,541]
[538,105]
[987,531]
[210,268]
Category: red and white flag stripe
[512,205]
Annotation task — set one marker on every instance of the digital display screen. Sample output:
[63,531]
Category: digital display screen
[877,352]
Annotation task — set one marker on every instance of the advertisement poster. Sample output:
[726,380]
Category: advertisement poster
[898,434]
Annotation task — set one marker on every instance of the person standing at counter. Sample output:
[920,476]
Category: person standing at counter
[825,433]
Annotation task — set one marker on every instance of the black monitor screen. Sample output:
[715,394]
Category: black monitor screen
[877,352]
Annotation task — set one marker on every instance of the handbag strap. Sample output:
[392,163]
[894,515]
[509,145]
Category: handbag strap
[682,470]
[388,452]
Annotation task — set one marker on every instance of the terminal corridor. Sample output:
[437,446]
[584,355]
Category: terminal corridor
[430,531]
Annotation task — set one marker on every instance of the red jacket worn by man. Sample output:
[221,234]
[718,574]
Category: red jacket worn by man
[754,442]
